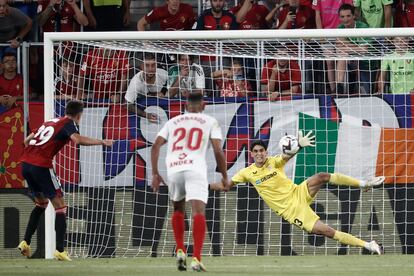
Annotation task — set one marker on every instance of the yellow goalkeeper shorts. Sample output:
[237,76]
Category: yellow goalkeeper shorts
[300,213]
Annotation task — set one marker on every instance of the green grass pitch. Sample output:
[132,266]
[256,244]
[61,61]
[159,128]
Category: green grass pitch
[260,265]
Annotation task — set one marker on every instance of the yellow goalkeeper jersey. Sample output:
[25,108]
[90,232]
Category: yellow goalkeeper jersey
[270,181]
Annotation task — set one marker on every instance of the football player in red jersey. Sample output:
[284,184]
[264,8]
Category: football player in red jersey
[37,168]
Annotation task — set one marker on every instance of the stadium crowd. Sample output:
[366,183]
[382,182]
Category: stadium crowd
[176,76]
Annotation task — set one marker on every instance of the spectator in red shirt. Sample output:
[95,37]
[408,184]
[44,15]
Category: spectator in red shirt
[232,83]
[59,15]
[66,83]
[296,16]
[281,77]
[173,16]
[404,13]
[273,15]
[215,18]
[11,83]
[250,15]
[107,72]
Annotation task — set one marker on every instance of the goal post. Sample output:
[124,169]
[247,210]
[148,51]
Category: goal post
[112,210]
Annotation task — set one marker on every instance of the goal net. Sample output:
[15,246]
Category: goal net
[352,88]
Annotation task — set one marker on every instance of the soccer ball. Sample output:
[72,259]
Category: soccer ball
[289,144]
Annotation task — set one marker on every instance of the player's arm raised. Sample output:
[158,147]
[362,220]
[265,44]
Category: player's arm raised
[155,154]
[28,138]
[304,141]
[88,141]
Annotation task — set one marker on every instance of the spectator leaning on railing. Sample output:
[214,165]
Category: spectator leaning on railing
[185,78]
[103,75]
[232,83]
[14,25]
[400,66]
[150,81]
[281,77]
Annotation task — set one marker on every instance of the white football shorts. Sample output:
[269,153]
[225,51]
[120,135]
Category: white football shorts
[191,185]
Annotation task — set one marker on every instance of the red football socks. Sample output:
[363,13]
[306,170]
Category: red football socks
[178,226]
[199,230]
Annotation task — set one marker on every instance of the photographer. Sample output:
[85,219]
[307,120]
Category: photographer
[250,15]
[60,16]
[296,16]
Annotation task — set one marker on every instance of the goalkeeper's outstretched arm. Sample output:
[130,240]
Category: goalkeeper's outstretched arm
[304,141]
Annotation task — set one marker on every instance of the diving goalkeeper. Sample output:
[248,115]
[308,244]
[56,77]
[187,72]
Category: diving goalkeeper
[292,201]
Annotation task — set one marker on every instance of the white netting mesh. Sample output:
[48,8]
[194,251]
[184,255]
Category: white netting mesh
[113,212]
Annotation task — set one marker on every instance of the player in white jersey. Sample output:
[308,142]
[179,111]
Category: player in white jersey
[188,136]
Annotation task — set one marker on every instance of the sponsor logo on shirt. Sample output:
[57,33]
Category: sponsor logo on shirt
[267,177]
[402,73]
[106,77]
[373,9]
[182,156]
[181,162]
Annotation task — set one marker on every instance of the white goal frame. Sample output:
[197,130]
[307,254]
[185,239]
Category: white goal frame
[51,38]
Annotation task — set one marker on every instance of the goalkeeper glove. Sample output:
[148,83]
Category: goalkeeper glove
[307,140]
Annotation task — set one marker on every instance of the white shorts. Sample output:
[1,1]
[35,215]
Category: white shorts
[190,185]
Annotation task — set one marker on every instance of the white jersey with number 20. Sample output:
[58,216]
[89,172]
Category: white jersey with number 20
[188,136]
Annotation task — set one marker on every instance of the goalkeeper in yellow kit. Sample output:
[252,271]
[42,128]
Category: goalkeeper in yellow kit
[292,201]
